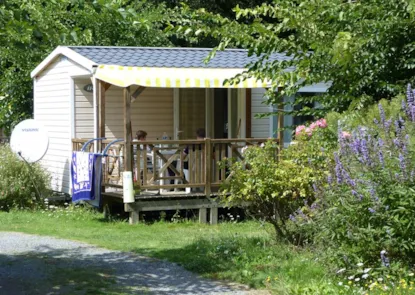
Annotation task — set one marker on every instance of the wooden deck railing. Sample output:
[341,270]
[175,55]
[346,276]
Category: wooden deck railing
[172,164]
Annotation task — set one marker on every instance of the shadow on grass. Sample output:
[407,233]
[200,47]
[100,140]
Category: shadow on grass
[245,260]
[88,270]
[248,260]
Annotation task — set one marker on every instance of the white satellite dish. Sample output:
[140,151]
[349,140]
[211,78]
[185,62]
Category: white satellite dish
[29,140]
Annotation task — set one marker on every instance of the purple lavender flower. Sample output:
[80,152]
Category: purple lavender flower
[381,160]
[372,192]
[381,143]
[342,140]
[371,210]
[365,151]
[403,106]
[384,258]
[399,126]
[405,144]
[409,95]
[314,206]
[387,125]
[355,146]
[401,122]
[338,169]
[376,121]
[382,114]
[330,179]
[314,188]
[357,195]
[349,181]
[292,218]
[402,164]
[412,175]
[300,212]
[397,142]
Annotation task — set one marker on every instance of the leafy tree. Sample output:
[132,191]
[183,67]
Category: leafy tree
[365,49]
[223,8]
[31,29]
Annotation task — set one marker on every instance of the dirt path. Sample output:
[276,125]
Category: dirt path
[31,264]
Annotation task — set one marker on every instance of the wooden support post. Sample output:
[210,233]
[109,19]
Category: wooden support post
[101,109]
[281,121]
[208,167]
[248,101]
[101,118]
[127,130]
[134,217]
[202,215]
[281,125]
[214,215]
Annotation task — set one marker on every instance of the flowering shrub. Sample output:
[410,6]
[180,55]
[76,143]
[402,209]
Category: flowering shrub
[273,188]
[16,182]
[277,187]
[367,205]
[303,130]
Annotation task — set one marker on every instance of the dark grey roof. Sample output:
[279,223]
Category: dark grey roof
[167,57]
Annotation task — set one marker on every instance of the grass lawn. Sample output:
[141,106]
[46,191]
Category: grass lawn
[242,252]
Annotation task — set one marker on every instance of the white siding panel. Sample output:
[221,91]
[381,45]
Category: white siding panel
[52,109]
[152,111]
[260,127]
[84,110]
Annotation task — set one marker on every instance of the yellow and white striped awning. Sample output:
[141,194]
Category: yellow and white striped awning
[174,77]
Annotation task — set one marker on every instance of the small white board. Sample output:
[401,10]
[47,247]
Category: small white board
[29,140]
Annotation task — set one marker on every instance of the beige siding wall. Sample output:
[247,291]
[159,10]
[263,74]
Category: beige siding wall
[260,127]
[52,108]
[152,111]
[84,110]
[192,105]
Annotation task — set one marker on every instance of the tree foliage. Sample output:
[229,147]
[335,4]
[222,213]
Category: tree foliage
[364,49]
[31,29]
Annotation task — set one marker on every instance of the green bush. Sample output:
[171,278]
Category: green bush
[17,180]
[276,186]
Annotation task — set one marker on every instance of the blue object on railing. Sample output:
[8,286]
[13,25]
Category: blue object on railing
[104,152]
[89,141]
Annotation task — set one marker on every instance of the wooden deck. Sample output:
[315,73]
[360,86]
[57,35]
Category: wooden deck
[161,181]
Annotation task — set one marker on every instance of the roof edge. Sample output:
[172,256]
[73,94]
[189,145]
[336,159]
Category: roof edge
[161,48]
[69,53]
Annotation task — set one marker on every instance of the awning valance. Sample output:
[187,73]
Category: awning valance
[174,77]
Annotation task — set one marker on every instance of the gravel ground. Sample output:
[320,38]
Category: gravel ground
[31,264]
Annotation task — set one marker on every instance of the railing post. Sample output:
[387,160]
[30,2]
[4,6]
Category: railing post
[208,166]
[138,165]
[127,130]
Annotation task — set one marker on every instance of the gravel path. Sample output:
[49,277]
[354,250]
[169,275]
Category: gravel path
[31,264]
